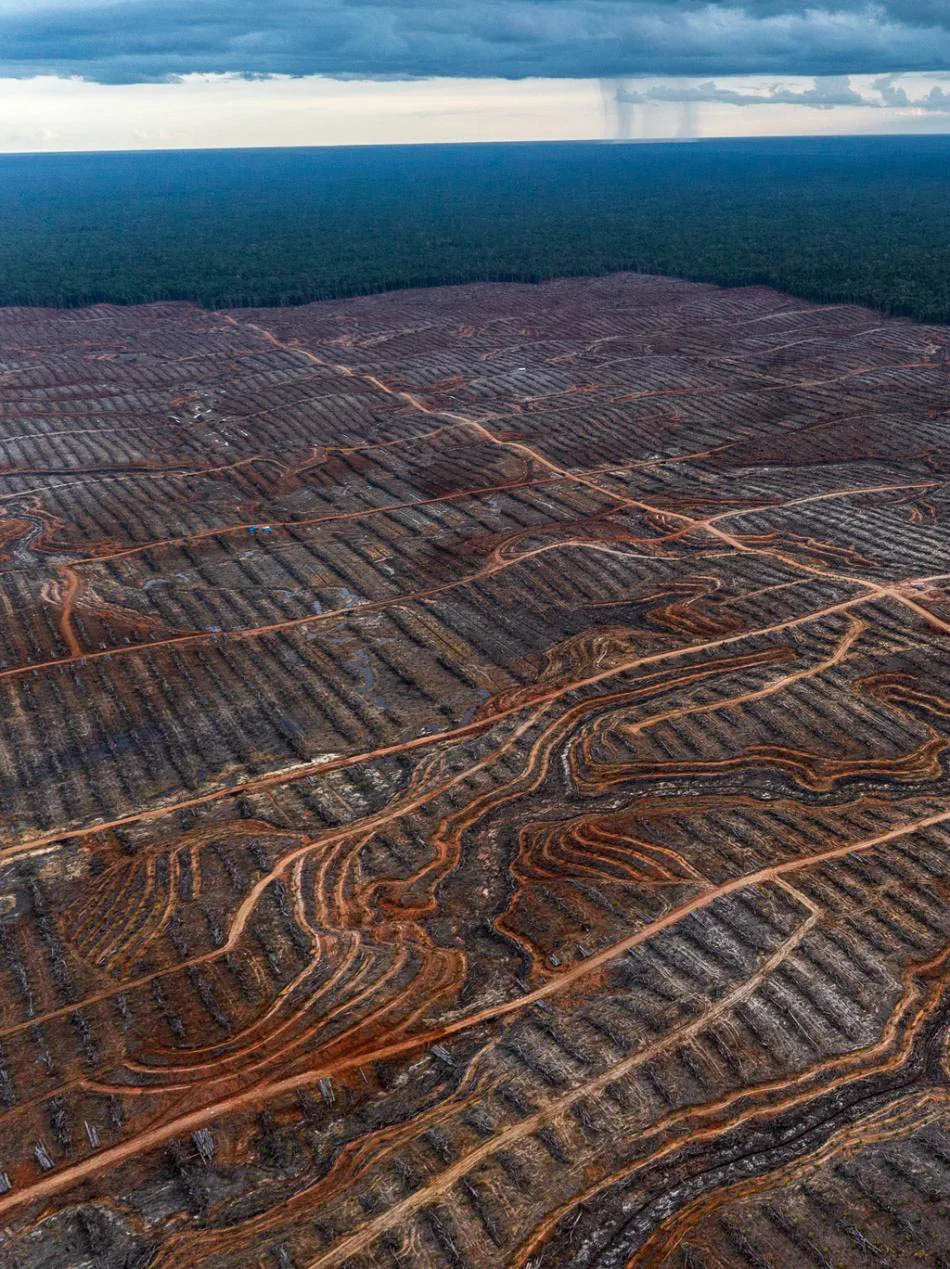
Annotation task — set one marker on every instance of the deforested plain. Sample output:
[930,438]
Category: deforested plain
[474,782]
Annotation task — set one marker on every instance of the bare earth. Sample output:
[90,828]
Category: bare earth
[473,782]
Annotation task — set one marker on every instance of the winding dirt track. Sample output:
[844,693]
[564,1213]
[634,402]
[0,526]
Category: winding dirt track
[474,782]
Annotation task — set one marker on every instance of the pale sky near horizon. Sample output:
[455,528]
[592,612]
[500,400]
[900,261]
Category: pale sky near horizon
[125,74]
[51,114]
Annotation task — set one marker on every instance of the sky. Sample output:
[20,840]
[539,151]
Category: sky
[101,74]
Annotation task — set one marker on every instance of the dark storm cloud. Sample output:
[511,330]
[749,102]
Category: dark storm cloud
[154,39]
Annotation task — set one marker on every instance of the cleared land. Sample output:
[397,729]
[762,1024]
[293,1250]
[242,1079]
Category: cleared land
[473,782]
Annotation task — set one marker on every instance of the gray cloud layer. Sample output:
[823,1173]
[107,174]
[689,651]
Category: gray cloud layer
[153,39]
[824,94]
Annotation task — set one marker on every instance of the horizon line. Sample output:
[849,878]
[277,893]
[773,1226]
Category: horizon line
[638,142]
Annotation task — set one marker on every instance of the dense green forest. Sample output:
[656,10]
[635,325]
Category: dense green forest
[836,219]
